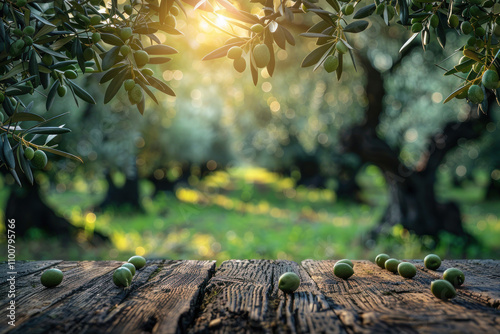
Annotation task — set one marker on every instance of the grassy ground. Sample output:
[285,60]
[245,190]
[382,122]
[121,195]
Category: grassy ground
[251,213]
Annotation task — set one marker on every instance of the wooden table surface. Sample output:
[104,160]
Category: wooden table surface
[242,296]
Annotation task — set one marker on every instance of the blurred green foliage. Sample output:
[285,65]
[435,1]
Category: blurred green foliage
[252,213]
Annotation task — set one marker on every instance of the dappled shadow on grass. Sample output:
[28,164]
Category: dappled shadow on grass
[248,214]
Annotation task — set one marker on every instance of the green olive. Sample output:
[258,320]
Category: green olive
[137,261]
[129,84]
[39,159]
[407,269]
[170,21]
[122,277]
[147,71]
[432,261]
[51,277]
[125,50]
[29,153]
[135,95]
[141,58]
[341,47]
[130,267]
[29,30]
[455,276]
[96,37]
[331,63]
[475,94]
[240,64]
[125,33]
[443,289]
[95,20]
[235,52]
[490,79]
[453,21]
[343,270]
[174,11]
[257,28]
[380,260]
[261,55]
[392,265]
[346,261]
[289,282]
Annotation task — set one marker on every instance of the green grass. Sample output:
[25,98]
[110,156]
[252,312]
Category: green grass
[251,213]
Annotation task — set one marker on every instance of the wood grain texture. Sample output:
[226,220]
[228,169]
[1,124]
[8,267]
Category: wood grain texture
[243,297]
[162,297]
[165,303]
[482,278]
[375,300]
[33,298]
[23,268]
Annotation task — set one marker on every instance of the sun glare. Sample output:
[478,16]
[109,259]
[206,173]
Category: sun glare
[221,21]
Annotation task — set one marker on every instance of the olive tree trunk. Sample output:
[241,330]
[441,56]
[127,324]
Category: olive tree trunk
[412,198]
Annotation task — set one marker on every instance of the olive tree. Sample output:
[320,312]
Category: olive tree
[47,44]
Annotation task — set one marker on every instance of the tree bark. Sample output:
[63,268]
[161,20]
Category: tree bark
[348,189]
[493,190]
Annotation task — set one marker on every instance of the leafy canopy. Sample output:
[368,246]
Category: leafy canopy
[46,44]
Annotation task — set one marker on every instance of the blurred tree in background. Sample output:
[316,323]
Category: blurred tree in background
[394,121]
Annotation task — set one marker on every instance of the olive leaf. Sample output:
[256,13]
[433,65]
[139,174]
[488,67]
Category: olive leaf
[81,93]
[115,85]
[365,11]
[8,154]
[110,58]
[160,49]
[356,26]
[220,52]
[48,130]
[457,92]
[315,55]
[111,39]
[52,94]
[24,164]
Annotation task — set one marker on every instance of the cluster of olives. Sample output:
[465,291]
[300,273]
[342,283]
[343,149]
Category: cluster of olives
[37,158]
[405,269]
[489,80]
[260,52]
[332,61]
[122,277]
[236,54]
[452,278]
[445,288]
[24,40]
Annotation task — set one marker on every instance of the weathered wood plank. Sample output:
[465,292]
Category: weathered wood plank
[166,303]
[482,278]
[243,297]
[32,297]
[375,300]
[23,268]
[307,309]
[161,297]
